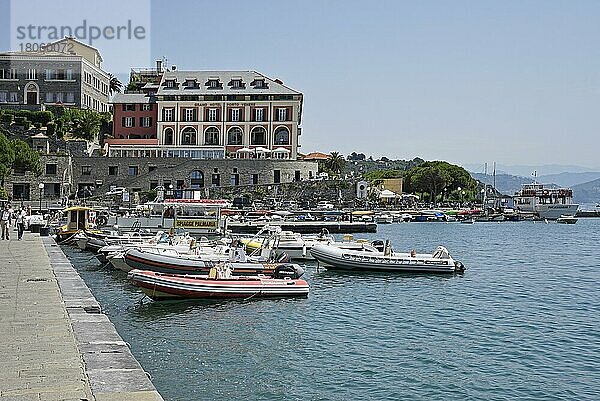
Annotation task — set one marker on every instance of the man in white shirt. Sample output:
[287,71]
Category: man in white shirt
[5,221]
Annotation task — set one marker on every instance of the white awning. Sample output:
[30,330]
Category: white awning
[263,150]
[245,150]
[281,150]
[387,194]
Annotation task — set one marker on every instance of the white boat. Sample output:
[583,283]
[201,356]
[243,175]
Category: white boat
[219,283]
[566,219]
[295,245]
[215,253]
[384,219]
[198,216]
[406,217]
[547,203]
[439,261]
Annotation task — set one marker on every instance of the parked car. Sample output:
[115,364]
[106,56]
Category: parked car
[325,205]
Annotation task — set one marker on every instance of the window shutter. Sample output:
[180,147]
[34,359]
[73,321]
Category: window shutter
[133,121]
[150,121]
[141,121]
[124,107]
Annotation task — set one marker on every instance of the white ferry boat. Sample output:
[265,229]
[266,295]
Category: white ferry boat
[196,216]
[547,203]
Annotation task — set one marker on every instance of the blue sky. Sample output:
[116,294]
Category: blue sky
[516,82]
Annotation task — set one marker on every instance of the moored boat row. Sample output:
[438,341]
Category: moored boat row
[175,265]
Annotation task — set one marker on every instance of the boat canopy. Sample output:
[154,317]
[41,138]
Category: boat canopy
[78,208]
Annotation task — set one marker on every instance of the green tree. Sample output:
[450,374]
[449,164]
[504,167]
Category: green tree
[26,159]
[431,179]
[115,85]
[377,175]
[83,124]
[335,163]
[436,176]
[7,158]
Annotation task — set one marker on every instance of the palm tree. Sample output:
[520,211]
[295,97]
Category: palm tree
[115,84]
[335,162]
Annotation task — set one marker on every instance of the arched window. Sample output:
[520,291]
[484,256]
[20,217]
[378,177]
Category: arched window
[234,136]
[169,136]
[282,136]
[211,136]
[188,136]
[258,136]
[197,179]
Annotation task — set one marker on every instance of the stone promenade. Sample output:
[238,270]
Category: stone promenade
[55,342]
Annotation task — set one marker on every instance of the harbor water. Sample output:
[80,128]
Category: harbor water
[521,323]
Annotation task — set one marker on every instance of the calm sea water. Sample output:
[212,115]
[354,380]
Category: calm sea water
[523,322]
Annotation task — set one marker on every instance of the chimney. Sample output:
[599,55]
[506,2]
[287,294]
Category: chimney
[159,66]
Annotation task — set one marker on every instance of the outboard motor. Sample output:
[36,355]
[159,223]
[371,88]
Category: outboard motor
[288,270]
[379,245]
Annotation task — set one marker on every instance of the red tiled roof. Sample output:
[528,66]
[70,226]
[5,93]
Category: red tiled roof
[147,142]
[316,156]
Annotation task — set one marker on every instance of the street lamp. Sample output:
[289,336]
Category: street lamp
[41,187]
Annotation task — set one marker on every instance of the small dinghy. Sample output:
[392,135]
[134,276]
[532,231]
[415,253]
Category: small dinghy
[439,261]
[567,219]
[219,283]
[199,264]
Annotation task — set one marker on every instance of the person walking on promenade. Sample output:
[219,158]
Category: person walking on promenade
[5,221]
[20,221]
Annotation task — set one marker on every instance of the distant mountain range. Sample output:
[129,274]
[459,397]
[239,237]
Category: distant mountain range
[527,171]
[505,183]
[588,192]
[570,179]
[585,185]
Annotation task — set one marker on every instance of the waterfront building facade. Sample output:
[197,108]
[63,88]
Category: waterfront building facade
[219,114]
[66,72]
[134,116]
